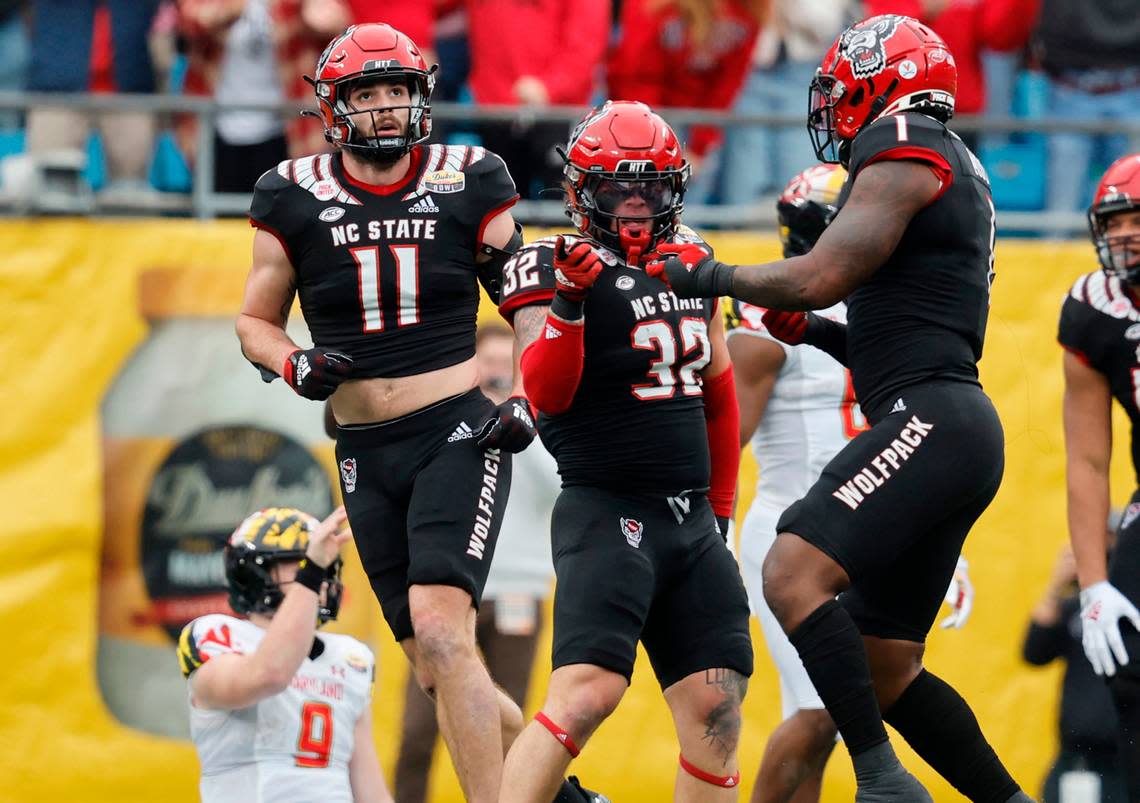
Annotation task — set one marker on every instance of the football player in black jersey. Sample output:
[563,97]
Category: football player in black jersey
[911,252]
[384,240]
[1100,331]
[638,407]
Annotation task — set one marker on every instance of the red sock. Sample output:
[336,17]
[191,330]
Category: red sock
[559,734]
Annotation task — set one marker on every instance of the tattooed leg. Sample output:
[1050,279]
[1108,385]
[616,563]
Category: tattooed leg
[706,714]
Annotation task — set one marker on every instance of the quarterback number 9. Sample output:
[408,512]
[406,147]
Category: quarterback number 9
[315,743]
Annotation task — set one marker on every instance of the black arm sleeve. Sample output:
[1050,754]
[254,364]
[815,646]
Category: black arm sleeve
[828,336]
[490,271]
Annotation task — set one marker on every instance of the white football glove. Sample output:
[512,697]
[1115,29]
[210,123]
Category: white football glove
[959,596]
[1102,608]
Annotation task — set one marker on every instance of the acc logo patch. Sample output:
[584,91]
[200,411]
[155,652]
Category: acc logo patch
[908,69]
[348,474]
[1132,332]
[332,214]
[624,283]
[632,529]
[444,181]
[864,47]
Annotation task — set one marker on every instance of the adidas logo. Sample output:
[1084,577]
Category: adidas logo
[900,405]
[551,333]
[462,433]
[424,205]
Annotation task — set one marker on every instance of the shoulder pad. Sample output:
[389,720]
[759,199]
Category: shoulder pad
[204,638]
[897,131]
[310,173]
[447,168]
[740,316]
[1105,294]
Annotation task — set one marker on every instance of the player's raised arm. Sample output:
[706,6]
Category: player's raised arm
[364,771]
[229,680]
[884,198]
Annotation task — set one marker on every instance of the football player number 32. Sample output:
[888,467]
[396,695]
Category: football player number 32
[668,367]
[315,744]
[407,270]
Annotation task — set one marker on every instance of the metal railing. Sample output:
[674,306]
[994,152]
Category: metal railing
[202,202]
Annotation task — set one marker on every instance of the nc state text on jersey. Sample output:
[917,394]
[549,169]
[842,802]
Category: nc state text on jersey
[666,301]
[389,229]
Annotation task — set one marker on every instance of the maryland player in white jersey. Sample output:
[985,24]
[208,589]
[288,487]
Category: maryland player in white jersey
[278,712]
[798,409]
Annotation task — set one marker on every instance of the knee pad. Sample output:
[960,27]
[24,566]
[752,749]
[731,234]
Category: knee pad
[722,781]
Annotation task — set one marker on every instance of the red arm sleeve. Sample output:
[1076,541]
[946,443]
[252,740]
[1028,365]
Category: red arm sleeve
[585,32]
[552,365]
[722,421]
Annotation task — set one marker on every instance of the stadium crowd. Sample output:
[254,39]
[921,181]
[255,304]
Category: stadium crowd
[1032,58]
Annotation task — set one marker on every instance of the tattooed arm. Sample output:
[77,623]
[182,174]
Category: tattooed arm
[269,292]
[883,200]
[528,323]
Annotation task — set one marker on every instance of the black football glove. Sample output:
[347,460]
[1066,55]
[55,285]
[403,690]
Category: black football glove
[510,427]
[315,373]
[691,271]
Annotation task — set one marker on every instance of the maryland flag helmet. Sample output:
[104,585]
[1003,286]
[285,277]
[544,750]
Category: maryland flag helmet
[270,536]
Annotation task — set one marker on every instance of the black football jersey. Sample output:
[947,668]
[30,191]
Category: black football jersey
[923,314]
[387,275]
[1101,324]
[637,421]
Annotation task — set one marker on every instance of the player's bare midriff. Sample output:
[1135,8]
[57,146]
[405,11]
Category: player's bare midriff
[365,401]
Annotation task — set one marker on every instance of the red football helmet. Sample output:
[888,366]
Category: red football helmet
[371,52]
[1118,191]
[881,65]
[625,177]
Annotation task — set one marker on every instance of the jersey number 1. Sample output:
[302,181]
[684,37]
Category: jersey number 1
[407,259]
[315,744]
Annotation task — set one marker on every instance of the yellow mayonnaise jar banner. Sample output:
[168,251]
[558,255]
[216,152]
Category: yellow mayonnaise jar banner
[136,436]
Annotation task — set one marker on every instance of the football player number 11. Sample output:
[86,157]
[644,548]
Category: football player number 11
[315,743]
[368,265]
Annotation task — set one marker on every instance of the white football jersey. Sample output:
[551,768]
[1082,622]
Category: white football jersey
[810,416]
[293,746]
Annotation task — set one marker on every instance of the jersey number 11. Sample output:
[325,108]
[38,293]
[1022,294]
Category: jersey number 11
[407,285]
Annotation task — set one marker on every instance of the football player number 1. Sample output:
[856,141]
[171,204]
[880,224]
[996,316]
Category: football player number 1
[315,744]
[368,264]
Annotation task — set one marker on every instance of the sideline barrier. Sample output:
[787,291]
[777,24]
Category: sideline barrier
[73,320]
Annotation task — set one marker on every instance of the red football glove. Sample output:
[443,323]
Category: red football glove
[691,271]
[789,327]
[576,270]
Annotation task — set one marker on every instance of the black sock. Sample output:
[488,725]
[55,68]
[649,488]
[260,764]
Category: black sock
[833,654]
[939,725]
